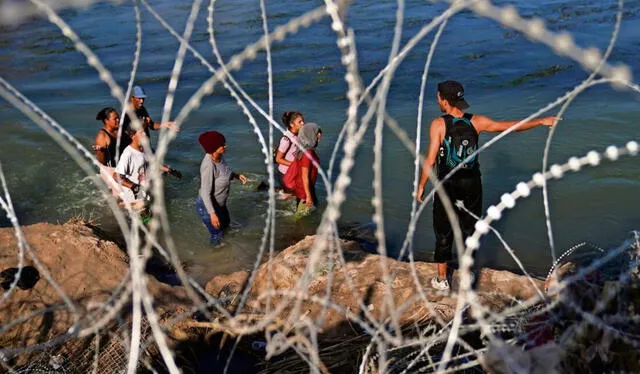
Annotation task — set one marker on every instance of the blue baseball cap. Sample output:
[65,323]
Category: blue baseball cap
[138,92]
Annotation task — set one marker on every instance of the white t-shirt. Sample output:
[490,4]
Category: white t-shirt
[132,165]
[287,145]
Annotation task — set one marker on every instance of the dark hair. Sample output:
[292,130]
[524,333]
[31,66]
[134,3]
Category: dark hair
[130,131]
[288,117]
[104,113]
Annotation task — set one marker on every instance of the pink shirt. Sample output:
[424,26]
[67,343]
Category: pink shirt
[287,145]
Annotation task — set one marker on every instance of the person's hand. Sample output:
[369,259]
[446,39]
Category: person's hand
[419,193]
[172,125]
[549,121]
[308,202]
[242,178]
[175,173]
[146,121]
[215,221]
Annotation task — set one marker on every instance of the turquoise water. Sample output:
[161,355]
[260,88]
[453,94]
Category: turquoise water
[505,75]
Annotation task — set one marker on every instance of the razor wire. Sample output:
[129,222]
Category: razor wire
[304,341]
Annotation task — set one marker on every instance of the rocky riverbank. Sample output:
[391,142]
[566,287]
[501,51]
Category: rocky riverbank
[357,282]
[75,275]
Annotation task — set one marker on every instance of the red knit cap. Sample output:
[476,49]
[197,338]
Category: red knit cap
[211,141]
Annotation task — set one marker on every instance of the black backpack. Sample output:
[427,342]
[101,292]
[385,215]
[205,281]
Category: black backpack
[460,141]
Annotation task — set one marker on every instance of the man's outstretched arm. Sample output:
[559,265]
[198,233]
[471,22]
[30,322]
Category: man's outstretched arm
[157,125]
[484,123]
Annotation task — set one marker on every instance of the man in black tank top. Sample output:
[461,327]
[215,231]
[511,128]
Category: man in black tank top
[453,140]
[138,97]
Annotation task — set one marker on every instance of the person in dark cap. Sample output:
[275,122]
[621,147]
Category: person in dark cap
[138,97]
[453,141]
[215,179]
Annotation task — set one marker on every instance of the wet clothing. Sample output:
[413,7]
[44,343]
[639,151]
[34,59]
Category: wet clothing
[215,235]
[464,185]
[110,150]
[287,146]
[302,210]
[215,179]
[133,166]
[305,161]
[469,191]
[141,113]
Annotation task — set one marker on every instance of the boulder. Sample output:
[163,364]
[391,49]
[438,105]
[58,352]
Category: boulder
[368,289]
[88,268]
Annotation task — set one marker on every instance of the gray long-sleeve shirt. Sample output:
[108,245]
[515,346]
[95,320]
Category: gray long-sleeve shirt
[215,178]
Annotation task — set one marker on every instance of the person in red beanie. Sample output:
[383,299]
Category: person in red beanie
[215,179]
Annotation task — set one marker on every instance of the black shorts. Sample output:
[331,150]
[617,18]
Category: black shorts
[469,191]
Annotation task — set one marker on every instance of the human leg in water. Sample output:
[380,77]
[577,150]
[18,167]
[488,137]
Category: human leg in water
[215,235]
[303,210]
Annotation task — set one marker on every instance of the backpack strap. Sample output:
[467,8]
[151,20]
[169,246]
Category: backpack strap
[276,149]
[107,132]
[448,121]
[290,143]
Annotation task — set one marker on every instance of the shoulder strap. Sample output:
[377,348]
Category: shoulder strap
[106,132]
[448,121]
[468,116]
[289,146]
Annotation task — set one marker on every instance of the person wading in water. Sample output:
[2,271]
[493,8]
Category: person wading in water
[286,148]
[105,142]
[453,137]
[138,97]
[215,181]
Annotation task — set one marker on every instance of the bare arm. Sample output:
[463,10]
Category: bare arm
[436,134]
[239,177]
[122,179]
[280,155]
[157,125]
[484,123]
[100,147]
[281,160]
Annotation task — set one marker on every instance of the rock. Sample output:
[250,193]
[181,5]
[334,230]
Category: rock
[87,268]
[496,289]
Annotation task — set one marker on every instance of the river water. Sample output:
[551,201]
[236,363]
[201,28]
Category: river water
[506,76]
